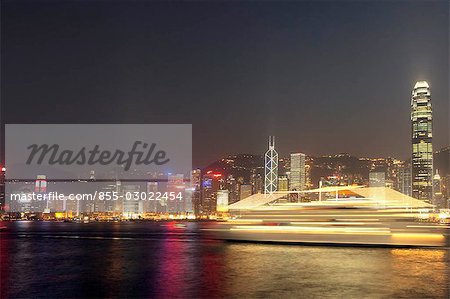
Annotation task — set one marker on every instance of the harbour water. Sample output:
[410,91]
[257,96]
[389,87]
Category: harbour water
[176,260]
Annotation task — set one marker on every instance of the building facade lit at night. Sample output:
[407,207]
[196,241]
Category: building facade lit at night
[422,150]
[298,173]
[271,167]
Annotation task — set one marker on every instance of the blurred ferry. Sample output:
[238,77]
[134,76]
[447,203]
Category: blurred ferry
[374,216]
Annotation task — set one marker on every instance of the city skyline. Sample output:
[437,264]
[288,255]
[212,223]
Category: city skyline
[225,149]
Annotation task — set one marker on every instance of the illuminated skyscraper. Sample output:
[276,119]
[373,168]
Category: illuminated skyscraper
[404,179]
[297,180]
[232,185]
[222,200]
[175,184]
[437,189]
[151,206]
[441,162]
[271,167]
[257,182]
[195,184]
[422,150]
[211,183]
[283,183]
[40,185]
[130,207]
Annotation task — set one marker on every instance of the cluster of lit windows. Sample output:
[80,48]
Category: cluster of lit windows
[422,150]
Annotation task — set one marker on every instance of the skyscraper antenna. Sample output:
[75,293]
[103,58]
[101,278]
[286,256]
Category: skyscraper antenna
[271,142]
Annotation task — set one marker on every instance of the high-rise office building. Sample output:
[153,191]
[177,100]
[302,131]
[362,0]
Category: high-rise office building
[195,184]
[211,183]
[151,206]
[404,179]
[40,185]
[297,177]
[308,167]
[441,163]
[131,207]
[232,185]
[196,179]
[257,182]
[222,200]
[283,183]
[422,150]
[437,189]
[271,167]
[176,185]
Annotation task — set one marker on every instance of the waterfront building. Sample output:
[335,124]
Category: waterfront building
[131,208]
[437,190]
[222,200]
[422,149]
[283,183]
[211,183]
[175,185]
[441,161]
[257,182]
[271,168]
[151,206]
[196,181]
[232,185]
[297,177]
[404,179]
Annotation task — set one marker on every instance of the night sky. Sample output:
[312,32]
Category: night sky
[324,77]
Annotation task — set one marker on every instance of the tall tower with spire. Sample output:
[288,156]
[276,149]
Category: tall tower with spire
[422,149]
[271,168]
